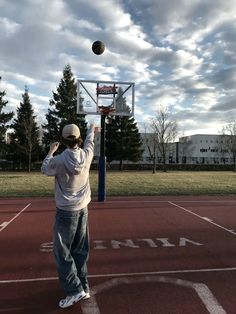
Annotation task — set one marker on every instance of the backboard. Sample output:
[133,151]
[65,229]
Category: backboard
[93,95]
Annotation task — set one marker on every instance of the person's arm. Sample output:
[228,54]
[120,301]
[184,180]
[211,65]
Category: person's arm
[49,165]
[89,141]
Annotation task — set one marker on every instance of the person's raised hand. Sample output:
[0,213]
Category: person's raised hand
[53,148]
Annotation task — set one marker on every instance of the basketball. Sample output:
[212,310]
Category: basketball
[98,47]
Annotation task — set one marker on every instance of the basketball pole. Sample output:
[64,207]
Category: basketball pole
[102,162]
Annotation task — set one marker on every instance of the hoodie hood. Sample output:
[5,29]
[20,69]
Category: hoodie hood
[74,160]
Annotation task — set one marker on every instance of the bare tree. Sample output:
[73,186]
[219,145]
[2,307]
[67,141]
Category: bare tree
[150,142]
[164,129]
[229,139]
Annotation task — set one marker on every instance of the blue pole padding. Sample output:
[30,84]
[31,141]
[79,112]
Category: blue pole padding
[102,179]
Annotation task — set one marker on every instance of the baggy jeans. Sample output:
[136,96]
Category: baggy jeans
[71,249]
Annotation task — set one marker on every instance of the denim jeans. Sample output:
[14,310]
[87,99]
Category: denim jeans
[71,249]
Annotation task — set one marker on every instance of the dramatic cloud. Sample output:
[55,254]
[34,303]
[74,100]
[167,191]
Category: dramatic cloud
[180,54]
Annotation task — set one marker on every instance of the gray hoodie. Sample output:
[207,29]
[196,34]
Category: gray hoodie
[71,171]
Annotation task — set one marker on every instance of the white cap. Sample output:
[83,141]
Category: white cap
[71,132]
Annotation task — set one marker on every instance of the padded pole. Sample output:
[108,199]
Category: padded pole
[102,163]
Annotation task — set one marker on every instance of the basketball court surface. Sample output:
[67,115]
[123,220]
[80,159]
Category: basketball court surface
[148,255]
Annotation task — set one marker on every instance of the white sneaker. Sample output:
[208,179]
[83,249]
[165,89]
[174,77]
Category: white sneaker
[71,299]
[87,296]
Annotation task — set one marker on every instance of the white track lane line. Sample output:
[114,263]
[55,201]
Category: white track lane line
[5,224]
[203,218]
[164,272]
[164,201]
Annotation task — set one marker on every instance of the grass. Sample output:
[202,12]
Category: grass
[22,184]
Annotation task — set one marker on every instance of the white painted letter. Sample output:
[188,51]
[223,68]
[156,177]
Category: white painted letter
[129,243]
[183,241]
[150,242]
[99,245]
[165,242]
[46,247]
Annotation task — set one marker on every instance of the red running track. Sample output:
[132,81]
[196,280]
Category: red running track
[148,255]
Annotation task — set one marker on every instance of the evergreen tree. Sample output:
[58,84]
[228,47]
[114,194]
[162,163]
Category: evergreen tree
[123,140]
[63,109]
[4,118]
[25,138]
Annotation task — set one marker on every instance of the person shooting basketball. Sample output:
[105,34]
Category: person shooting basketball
[72,196]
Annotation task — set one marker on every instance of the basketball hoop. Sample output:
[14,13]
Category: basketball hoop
[104,98]
[106,110]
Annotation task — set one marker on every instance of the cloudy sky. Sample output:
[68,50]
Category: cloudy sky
[180,53]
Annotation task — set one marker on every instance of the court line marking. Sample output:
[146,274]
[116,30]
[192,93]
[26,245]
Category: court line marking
[12,309]
[162,272]
[137,201]
[6,223]
[203,218]
[165,201]
[204,293]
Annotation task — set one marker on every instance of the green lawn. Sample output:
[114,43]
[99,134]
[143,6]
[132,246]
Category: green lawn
[21,184]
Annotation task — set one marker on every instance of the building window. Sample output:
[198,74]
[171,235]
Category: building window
[203,150]
[194,160]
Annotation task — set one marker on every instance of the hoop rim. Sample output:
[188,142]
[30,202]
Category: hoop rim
[105,110]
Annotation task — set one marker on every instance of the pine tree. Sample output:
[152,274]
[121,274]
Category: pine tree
[4,117]
[63,104]
[25,138]
[123,140]
[4,120]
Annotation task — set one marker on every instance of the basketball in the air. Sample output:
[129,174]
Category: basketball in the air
[98,47]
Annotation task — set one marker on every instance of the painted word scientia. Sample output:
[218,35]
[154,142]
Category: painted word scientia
[141,243]
[132,244]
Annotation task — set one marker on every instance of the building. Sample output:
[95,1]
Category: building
[193,149]
[204,149]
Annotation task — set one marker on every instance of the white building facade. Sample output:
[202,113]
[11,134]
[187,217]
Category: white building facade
[193,149]
[204,149]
